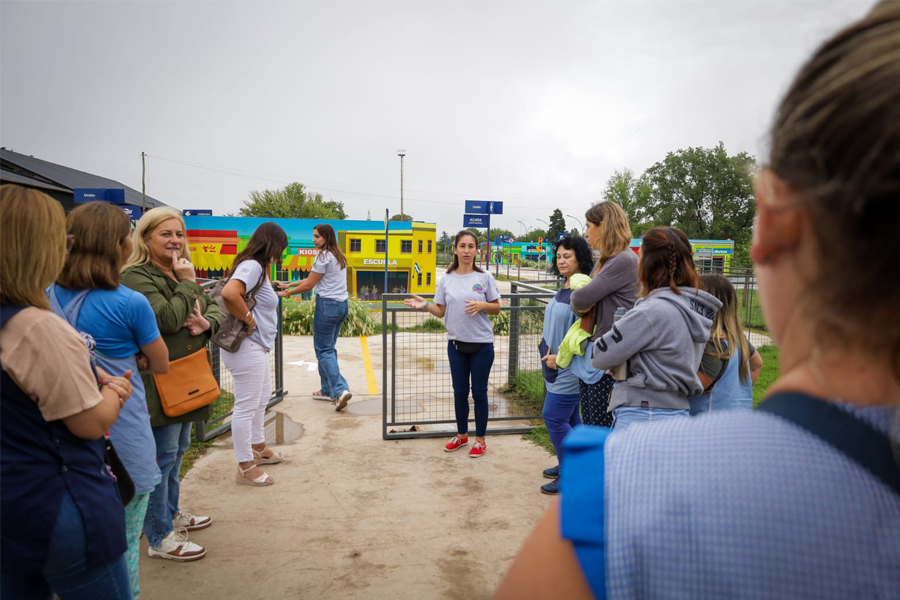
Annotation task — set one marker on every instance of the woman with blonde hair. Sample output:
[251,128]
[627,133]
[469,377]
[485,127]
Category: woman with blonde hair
[730,363]
[614,285]
[799,498]
[123,326]
[160,269]
[60,511]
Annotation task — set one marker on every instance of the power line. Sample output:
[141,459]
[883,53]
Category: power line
[286,180]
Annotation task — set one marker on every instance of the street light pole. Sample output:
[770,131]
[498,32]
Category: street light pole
[401,154]
[580,226]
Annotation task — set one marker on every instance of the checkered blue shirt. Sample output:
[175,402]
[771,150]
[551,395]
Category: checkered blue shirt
[737,504]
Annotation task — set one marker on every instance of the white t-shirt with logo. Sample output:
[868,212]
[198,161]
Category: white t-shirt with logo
[333,284]
[452,291]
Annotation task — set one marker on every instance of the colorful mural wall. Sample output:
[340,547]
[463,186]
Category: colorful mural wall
[411,246]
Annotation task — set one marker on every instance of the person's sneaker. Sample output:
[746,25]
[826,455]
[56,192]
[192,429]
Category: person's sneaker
[176,546]
[552,472]
[318,395]
[551,488]
[477,450]
[455,444]
[190,522]
[340,403]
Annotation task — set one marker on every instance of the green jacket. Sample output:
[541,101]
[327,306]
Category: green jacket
[573,342]
[172,304]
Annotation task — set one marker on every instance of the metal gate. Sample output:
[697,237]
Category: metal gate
[417,394]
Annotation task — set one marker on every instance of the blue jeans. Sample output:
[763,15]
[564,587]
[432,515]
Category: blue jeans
[560,416]
[478,367]
[172,441]
[66,572]
[327,320]
[626,416]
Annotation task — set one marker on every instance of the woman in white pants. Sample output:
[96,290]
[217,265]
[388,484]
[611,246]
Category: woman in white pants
[249,365]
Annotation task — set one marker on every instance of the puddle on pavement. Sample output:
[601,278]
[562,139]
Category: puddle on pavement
[279,429]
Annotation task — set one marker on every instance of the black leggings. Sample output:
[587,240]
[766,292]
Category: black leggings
[595,401]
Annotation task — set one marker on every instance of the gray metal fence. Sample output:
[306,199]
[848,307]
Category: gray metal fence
[219,420]
[417,394]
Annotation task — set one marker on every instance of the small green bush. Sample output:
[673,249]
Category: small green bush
[430,325]
[297,319]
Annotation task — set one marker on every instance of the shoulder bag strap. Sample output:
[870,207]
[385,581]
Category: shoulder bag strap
[857,439]
[262,278]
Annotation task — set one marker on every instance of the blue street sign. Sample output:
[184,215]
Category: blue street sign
[503,239]
[561,235]
[133,212]
[116,196]
[484,207]
[83,195]
[197,212]
[475,220]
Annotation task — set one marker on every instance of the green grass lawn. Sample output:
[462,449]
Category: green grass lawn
[767,376]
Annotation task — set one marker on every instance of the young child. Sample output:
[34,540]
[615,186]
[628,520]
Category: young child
[727,380]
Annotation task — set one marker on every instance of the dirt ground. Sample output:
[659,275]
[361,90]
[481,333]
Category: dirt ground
[351,515]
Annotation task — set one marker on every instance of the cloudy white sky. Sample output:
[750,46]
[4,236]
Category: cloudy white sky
[531,103]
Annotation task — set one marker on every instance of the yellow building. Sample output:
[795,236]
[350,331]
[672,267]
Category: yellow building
[411,255]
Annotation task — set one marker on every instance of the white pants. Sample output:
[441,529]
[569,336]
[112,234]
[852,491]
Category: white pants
[249,367]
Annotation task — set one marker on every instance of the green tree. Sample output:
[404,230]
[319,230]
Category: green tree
[632,194]
[557,225]
[293,202]
[704,192]
[403,217]
[533,235]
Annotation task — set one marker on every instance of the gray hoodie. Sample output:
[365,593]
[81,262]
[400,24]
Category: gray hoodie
[662,338]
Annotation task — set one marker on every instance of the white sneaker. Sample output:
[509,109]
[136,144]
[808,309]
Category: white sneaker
[340,403]
[190,522]
[176,546]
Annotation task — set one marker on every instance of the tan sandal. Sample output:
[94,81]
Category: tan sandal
[275,458]
[241,477]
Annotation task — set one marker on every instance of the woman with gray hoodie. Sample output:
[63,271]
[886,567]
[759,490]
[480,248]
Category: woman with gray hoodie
[659,342]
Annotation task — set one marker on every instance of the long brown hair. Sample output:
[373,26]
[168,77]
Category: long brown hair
[327,232]
[455,264]
[32,245]
[617,234]
[667,260]
[99,230]
[266,245]
[836,145]
[727,325]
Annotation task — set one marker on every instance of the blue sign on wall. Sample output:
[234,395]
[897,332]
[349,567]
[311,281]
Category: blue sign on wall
[197,212]
[475,220]
[484,207]
[133,212]
[82,195]
[503,239]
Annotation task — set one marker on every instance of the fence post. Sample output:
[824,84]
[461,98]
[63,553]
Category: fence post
[513,367]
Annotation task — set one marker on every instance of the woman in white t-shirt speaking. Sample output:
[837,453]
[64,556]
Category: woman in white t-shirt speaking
[249,365]
[329,277]
[466,295]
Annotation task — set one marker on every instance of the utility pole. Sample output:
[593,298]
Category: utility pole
[143,183]
[401,154]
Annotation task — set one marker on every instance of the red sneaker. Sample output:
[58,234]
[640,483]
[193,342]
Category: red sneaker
[456,443]
[477,450]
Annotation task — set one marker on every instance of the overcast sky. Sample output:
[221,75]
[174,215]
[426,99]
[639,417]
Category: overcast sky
[531,103]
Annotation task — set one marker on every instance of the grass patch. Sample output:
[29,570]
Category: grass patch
[196,450]
[540,437]
[526,392]
[768,375]
[429,325]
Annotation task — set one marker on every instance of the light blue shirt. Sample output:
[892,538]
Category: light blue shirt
[558,318]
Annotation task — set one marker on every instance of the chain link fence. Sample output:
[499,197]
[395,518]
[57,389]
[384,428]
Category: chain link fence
[417,394]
